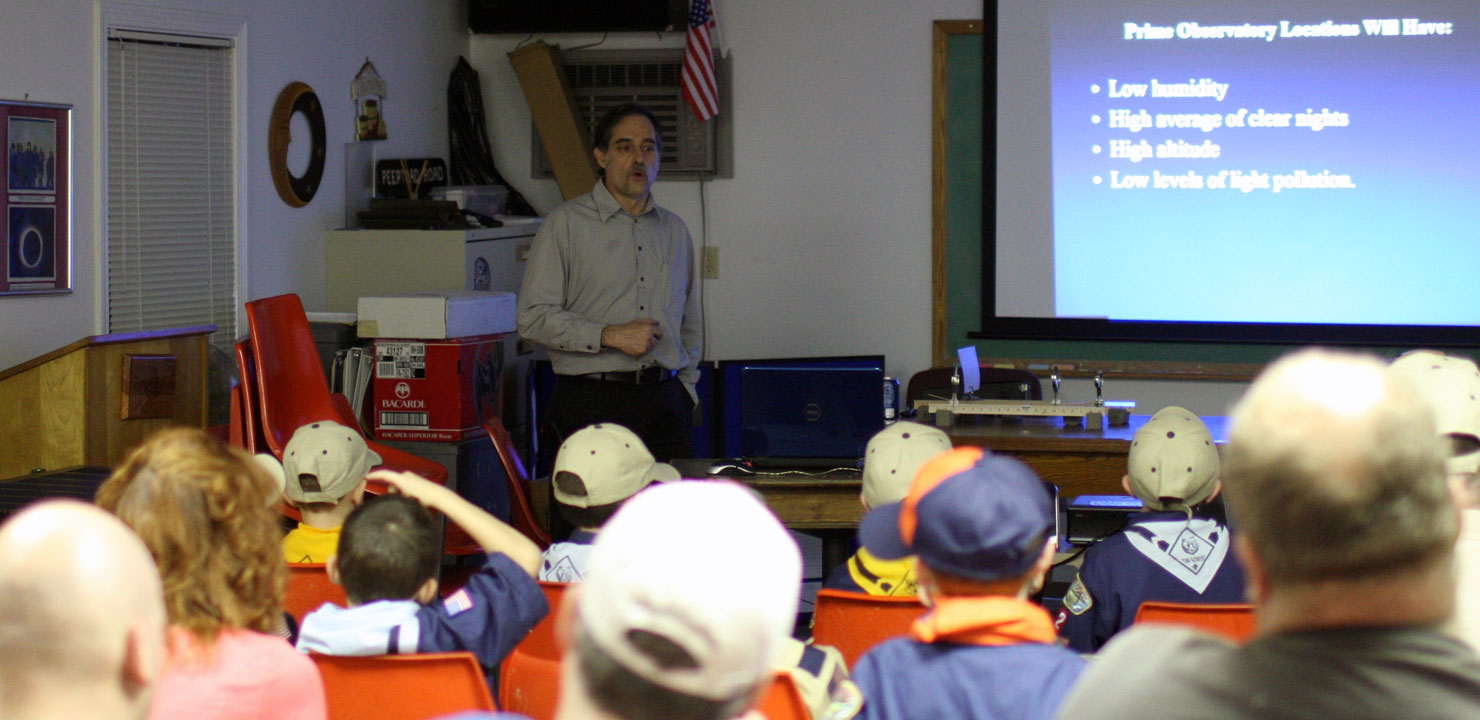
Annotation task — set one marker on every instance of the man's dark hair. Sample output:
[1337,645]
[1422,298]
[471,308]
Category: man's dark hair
[629,696]
[602,136]
[387,550]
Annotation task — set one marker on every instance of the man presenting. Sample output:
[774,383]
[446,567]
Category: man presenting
[609,291]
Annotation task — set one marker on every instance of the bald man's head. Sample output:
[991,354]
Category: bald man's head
[1335,471]
[81,611]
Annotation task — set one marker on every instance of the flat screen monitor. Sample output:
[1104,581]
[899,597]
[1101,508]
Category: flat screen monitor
[801,407]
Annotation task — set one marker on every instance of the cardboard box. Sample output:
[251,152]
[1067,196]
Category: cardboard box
[436,390]
[437,315]
[556,116]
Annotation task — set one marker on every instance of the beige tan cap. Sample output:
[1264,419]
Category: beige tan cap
[605,463]
[893,456]
[333,458]
[1173,462]
[1452,385]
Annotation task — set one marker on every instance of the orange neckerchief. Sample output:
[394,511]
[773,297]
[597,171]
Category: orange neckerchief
[990,620]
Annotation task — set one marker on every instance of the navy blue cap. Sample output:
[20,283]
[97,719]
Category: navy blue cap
[968,513]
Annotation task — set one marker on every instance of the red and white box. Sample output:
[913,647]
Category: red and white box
[436,390]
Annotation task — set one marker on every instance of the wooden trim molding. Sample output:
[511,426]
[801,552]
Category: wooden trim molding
[941,32]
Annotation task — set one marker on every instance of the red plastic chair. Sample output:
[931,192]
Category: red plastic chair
[1234,621]
[403,687]
[521,513]
[290,384]
[783,701]
[236,431]
[308,588]
[854,622]
[249,415]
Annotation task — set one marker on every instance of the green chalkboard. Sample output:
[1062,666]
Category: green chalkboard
[957,130]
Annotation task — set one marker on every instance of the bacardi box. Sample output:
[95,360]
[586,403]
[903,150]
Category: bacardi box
[436,390]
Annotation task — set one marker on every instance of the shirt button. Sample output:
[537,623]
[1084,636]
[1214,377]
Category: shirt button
[639,248]
[640,307]
[642,279]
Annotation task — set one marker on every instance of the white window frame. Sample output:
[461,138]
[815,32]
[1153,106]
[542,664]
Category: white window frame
[170,21]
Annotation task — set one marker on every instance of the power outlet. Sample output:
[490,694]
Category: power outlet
[709,263]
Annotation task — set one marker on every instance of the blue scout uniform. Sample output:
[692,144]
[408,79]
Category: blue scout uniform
[486,617]
[1159,556]
[864,573]
[982,658]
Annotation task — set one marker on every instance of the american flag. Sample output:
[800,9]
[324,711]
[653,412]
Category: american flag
[699,89]
[457,602]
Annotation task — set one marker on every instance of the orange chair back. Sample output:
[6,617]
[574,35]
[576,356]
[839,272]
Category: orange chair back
[403,687]
[783,701]
[854,622]
[541,641]
[529,678]
[1233,621]
[529,685]
[521,513]
[308,588]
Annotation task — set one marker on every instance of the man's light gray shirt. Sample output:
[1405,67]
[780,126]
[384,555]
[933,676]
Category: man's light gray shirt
[592,265]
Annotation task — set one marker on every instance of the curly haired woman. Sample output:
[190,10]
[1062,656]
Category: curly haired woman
[197,505]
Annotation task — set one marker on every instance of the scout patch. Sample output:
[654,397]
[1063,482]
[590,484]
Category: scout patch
[1078,599]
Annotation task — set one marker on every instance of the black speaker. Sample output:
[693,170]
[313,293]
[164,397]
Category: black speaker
[556,16]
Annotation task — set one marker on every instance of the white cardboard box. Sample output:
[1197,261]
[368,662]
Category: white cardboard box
[437,315]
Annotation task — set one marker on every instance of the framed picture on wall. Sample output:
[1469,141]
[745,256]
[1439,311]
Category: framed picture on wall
[37,202]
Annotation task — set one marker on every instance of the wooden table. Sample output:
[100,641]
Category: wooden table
[1079,461]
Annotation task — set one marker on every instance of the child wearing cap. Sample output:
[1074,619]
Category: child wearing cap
[387,561]
[602,466]
[324,467]
[597,469]
[981,529]
[1176,551]
[1452,385]
[686,629]
[889,464]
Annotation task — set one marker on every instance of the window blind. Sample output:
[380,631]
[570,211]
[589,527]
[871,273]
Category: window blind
[171,233]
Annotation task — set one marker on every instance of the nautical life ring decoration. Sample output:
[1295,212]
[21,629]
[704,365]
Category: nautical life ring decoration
[296,98]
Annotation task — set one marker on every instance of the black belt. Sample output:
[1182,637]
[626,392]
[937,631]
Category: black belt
[644,376]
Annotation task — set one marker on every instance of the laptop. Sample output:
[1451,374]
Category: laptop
[809,417]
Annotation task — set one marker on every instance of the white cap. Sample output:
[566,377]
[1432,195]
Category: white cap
[892,457]
[1452,386]
[1173,456]
[704,566]
[605,463]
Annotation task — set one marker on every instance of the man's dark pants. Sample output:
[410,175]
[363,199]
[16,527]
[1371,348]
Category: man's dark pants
[661,413]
